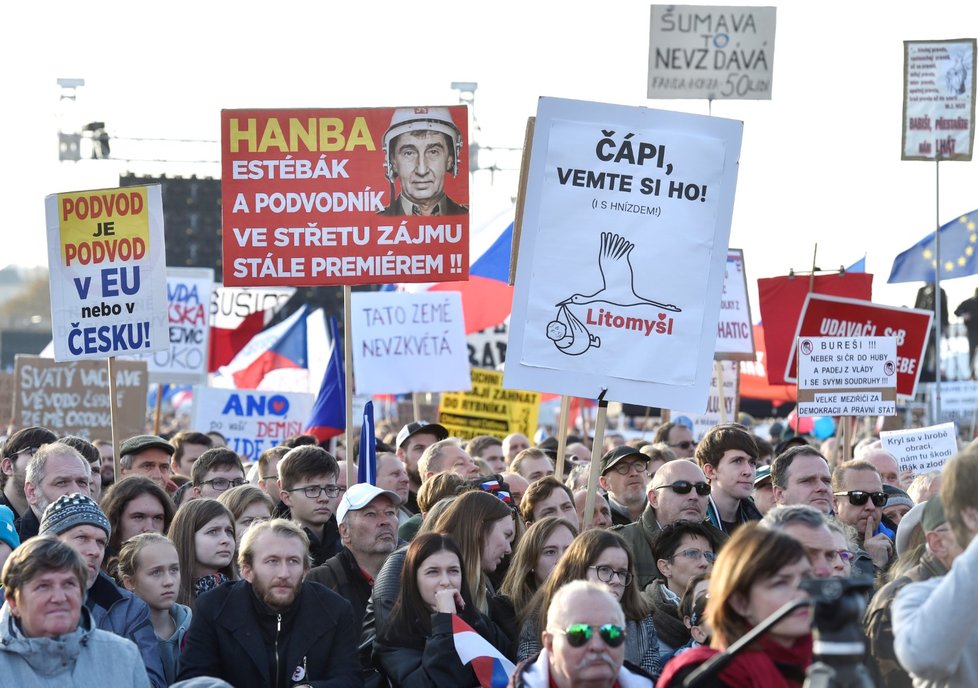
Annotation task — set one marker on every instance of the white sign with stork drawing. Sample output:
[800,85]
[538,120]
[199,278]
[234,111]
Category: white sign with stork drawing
[622,252]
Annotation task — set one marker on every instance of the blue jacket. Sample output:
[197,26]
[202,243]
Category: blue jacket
[170,648]
[119,611]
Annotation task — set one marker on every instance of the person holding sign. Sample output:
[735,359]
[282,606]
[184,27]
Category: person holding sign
[421,146]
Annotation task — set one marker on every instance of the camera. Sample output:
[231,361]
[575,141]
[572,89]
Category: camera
[839,643]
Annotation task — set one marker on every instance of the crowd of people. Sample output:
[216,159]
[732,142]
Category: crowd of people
[471,563]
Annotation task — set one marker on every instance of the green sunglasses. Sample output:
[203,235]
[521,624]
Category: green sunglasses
[579,634]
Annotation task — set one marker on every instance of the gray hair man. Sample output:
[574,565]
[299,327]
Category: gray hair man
[807,525]
[583,643]
[55,470]
[447,455]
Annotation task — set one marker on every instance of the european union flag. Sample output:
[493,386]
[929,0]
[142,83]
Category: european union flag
[959,253]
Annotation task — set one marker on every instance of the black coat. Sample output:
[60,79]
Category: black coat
[225,640]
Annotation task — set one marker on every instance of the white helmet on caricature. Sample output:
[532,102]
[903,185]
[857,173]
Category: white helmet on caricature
[421,119]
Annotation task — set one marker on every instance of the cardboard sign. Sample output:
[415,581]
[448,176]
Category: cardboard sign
[832,316]
[959,399]
[489,409]
[251,420]
[73,398]
[735,331]
[6,398]
[922,449]
[938,99]
[609,189]
[189,295]
[108,273]
[716,53]
[352,196]
[702,422]
[408,342]
[847,376]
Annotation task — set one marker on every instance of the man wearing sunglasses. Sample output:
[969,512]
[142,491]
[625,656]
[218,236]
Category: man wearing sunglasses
[859,500]
[678,437]
[584,643]
[728,456]
[679,492]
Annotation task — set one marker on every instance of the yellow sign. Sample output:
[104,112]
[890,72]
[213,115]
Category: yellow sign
[488,409]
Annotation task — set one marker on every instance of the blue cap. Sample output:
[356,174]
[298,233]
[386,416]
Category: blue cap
[8,533]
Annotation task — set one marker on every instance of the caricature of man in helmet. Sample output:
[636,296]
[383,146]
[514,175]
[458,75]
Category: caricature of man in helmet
[420,147]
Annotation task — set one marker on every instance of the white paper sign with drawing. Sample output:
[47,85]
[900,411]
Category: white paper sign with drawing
[622,253]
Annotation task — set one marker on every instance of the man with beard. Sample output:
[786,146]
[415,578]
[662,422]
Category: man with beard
[412,440]
[623,480]
[367,518]
[271,628]
[17,453]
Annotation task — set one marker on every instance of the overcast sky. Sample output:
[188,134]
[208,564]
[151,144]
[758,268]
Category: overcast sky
[820,161]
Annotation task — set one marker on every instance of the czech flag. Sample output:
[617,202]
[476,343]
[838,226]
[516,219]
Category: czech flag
[491,667]
[286,357]
[487,298]
[328,416]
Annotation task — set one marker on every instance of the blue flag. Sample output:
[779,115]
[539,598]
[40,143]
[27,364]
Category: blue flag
[367,460]
[328,416]
[858,266]
[959,245]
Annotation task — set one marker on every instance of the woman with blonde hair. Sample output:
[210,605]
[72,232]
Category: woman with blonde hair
[601,556]
[757,572]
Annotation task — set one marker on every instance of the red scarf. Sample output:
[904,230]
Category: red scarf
[759,667]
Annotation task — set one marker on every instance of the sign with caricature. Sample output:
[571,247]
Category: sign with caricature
[622,250]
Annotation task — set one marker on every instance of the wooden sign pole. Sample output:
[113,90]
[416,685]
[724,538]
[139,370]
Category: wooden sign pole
[595,473]
[562,435]
[113,407]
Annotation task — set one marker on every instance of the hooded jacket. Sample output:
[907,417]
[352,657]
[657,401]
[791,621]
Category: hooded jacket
[170,647]
[84,658]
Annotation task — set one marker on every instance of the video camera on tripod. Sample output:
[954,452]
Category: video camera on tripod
[839,642]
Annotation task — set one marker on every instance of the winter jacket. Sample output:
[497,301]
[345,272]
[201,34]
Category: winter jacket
[535,673]
[170,648]
[342,575]
[435,663]
[747,511]
[84,658]
[119,611]
[314,644]
[935,627]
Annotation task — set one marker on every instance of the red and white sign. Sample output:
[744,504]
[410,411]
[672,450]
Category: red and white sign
[345,196]
[833,316]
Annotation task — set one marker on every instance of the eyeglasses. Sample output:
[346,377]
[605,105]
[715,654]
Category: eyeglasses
[606,574]
[845,555]
[579,634]
[684,487]
[685,445]
[30,451]
[695,554]
[221,484]
[313,491]
[860,497]
[268,477]
[624,467]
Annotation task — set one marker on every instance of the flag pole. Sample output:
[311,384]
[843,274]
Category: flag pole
[562,435]
[939,327]
[595,472]
[351,476]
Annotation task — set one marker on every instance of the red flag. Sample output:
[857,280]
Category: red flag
[781,301]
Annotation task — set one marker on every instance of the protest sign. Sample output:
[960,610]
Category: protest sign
[702,422]
[73,398]
[108,272]
[735,333]
[251,420]
[6,397]
[489,409]
[345,196]
[833,316]
[847,376]
[237,314]
[408,342]
[938,99]
[959,399]
[921,449]
[717,53]
[487,348]
[612,193]
[189,295]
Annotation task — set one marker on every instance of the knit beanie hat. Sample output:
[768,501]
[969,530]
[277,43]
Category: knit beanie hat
[73,510]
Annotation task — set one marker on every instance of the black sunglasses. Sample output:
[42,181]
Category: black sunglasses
[860,497]
[579,634]
[684,486]
[684,445]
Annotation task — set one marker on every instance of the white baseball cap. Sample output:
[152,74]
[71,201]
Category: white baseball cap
[359,496]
